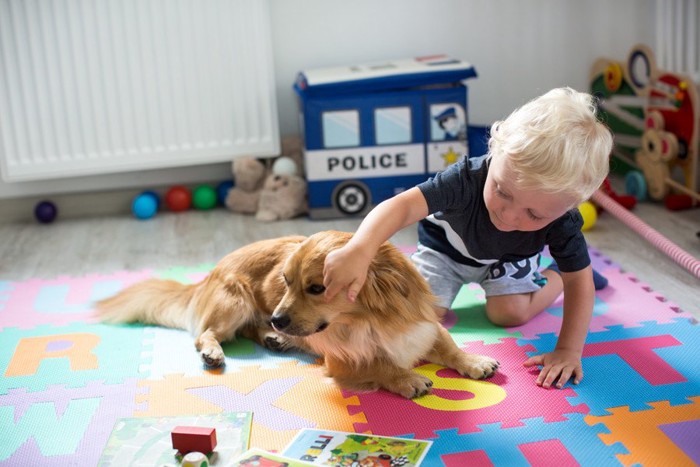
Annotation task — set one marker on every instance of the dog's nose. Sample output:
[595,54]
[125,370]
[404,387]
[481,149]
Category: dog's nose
[280,322]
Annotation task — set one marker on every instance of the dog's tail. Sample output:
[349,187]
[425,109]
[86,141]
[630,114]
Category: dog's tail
[155,301]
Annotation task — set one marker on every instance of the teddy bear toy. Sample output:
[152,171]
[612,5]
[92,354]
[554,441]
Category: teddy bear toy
[275,194]
[283,196]
[248,176]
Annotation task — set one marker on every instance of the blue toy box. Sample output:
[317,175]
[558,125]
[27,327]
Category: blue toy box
[372,131]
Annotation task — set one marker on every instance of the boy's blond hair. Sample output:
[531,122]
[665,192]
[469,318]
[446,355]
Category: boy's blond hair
[555,143]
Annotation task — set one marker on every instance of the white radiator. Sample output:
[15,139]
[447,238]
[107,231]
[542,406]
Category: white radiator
[678,37]
[95,87]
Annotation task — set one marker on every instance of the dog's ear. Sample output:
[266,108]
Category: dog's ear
[388,279]
[317,246]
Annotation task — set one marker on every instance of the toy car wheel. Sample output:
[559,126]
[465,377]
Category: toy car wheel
[351,199]
[636,185]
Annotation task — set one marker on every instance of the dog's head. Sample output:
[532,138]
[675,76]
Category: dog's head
[303,310]
[392,285]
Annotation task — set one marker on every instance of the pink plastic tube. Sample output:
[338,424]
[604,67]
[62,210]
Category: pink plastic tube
[665,245]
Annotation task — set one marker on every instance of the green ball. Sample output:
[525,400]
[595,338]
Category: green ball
[204,197]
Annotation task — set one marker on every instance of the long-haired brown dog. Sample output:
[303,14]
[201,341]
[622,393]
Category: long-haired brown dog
[272,292]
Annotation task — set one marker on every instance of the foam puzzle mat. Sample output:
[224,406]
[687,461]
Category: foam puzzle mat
[66,379]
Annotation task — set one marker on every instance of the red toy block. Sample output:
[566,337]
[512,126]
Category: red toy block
[194,439]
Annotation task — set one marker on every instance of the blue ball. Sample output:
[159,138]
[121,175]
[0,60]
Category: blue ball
[45,212]
[145,205]
[154,194]
[222,190]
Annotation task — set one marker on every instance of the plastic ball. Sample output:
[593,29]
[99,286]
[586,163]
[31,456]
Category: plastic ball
[45,212]
[178,198]
[204,197]
[589,214]
[195,459]
[145,205]
[154,194]
[284,166]
[222,190]
[636,185]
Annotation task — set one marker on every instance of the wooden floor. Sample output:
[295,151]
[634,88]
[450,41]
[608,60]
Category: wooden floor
[111,243]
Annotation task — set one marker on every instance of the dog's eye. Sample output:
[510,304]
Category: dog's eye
[315,289]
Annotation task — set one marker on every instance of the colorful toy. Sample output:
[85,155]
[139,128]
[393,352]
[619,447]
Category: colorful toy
[204,197]
[282,197]
[589,214]
[270,196]
[628,201]
[663,244]
[249,176]
[222,190]
[193,439]
[45,212]
[285,166]
[374,130]
[155,195]
[195,459]
[654,115]
[145,205]
[178,198]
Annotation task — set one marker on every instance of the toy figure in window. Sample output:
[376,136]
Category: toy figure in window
[451,124]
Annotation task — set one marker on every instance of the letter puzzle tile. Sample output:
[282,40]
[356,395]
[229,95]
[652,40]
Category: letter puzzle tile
[507,398]
[274,395]
[636,366]
[70,355]
[536,442]
[59,301]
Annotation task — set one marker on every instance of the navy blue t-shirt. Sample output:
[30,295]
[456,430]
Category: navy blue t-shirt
[460,227]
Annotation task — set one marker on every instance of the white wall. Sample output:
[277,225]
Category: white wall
[520,49]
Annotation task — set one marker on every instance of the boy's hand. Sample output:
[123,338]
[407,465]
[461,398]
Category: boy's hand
[343,268]
[557,368]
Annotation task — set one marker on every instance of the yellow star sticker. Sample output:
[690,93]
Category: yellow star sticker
[450,157]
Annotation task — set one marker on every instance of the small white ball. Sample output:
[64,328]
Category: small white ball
[284,166]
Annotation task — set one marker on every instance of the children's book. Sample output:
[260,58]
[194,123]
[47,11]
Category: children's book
[147,441]
[322,447]
[258,458]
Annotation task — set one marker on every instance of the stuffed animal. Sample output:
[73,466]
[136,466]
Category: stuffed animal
[248,175]
[283,197]
[274,194]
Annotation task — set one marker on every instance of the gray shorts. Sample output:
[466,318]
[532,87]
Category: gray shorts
[446,276]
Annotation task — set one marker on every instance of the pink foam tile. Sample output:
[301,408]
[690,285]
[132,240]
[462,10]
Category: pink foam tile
[625,301]
[630,302]
[61,300]
[508,398]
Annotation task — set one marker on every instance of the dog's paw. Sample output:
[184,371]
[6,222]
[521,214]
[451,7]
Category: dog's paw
[213,357]
[413,386]
[277,342]
[479,367]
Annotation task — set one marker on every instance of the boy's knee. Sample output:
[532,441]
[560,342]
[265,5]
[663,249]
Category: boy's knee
[506,312]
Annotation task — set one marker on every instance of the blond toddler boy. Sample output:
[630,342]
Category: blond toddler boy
[487,219]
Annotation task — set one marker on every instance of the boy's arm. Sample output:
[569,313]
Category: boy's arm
[565,361]
[347,266]
[579,297]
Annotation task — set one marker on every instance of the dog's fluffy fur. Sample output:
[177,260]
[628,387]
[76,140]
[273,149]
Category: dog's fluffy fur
[272,292]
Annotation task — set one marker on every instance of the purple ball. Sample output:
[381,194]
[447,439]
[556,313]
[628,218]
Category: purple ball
[45,212]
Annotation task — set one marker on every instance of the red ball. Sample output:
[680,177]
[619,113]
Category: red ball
[178,198]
